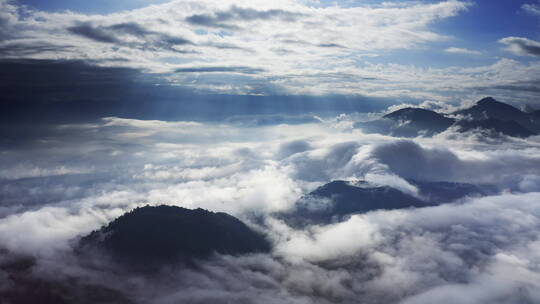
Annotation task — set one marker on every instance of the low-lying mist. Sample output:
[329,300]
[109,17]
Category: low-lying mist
[61,182]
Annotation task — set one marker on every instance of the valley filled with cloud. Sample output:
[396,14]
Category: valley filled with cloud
[289,151]
[474,250]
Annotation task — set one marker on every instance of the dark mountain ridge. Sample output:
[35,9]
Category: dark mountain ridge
[488,107]
[408,122]
[421,116]
[507,127]
[486,114]
[416,119]
[164,234]
[337,200]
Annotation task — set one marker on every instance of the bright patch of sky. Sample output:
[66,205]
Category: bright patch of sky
[89,7]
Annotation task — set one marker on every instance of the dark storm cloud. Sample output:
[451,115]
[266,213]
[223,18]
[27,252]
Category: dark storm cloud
[220,19]
[221,69]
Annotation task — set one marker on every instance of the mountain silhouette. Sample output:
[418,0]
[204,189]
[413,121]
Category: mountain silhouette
[337,200]
[487,114]
[162,234]
[417,119]
[489,108]
[409,122]
[441,192]
[535,116]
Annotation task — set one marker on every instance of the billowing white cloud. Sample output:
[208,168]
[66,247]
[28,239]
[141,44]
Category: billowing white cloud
[472,247]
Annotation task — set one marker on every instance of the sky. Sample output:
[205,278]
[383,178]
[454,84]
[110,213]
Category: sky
[246,107]
[445,51]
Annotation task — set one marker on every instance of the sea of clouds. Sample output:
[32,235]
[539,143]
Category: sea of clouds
[63,181]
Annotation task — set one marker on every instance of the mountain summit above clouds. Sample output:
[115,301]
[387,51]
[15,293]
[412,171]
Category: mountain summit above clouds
[489,108]
[163,234]
[339,199]
[487,114]
[416,119]
[507,127]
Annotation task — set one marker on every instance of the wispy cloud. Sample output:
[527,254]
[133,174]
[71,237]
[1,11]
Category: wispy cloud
[456,50]
[533,9]
[235,14]
[521,46]
[219,69]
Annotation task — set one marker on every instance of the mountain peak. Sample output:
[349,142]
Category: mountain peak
[168,233]
[492,103]
[490,108]
[337,200]
[487,101]
[412,113]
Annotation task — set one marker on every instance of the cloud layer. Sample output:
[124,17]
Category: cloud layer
[522,46]
[234,106]
[478,250]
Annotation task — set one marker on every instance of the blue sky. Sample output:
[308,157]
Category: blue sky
[89,7]
[444,51]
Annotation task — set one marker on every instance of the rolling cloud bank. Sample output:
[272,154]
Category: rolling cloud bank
[252,151]
[63,182]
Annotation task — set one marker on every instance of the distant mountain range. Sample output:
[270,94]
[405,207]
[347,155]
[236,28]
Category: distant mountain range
[487,114]
[150,236]
[337,200]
